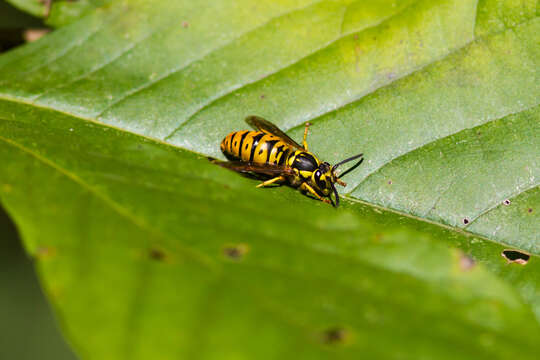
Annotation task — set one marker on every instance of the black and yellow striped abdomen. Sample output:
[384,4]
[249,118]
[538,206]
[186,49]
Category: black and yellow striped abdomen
[256,147]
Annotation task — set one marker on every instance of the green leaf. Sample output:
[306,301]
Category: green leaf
[33,7]
[67,12]
[58,12]
[145,247]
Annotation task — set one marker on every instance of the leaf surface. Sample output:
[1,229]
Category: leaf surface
[442,98]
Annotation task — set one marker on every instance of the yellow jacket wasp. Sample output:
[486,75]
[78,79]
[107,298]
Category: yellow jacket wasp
[269,152]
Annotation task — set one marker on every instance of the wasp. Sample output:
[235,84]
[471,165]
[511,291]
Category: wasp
[270,153]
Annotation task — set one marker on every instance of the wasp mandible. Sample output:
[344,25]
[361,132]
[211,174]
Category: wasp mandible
[269,152]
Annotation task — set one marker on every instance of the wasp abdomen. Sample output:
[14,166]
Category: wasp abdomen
[255,147]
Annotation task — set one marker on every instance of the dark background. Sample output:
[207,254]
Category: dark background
[28,329]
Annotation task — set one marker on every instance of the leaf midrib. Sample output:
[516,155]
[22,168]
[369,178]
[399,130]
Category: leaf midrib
[114,205]
[141,223]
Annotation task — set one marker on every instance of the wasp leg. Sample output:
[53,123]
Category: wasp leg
[271,181]
[304,143]
[306,187]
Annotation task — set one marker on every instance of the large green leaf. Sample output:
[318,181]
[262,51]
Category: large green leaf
[148,249]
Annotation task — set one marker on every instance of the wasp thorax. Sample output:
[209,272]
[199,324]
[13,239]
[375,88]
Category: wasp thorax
[305,162]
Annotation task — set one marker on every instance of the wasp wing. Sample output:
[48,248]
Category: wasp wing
[246,167]
[266,126]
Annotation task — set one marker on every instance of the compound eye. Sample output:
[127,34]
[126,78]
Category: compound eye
[320,183]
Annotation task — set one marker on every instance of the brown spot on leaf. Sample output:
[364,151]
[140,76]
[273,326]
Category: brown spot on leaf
[235,252]
[389,182]
[529,210]
[515,256]
[335,336]
[157,254]
[185,24]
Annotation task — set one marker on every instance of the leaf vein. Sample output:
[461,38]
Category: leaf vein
[278,71]
[403,154]
[175,70]
[115,206]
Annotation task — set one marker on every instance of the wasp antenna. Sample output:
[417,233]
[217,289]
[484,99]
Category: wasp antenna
[352,167]
[336,196]
[346,160]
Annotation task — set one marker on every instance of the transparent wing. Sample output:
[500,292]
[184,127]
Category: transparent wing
[261,124]
[245,167]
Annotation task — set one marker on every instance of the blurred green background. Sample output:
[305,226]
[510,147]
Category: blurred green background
[28,329]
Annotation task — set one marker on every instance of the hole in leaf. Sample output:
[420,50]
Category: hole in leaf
[235,252]
[389,182]
[515,256]
[465,221]
[506,202]
[335,336]
[157,254]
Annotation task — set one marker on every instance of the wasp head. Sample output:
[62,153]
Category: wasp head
[326,176]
